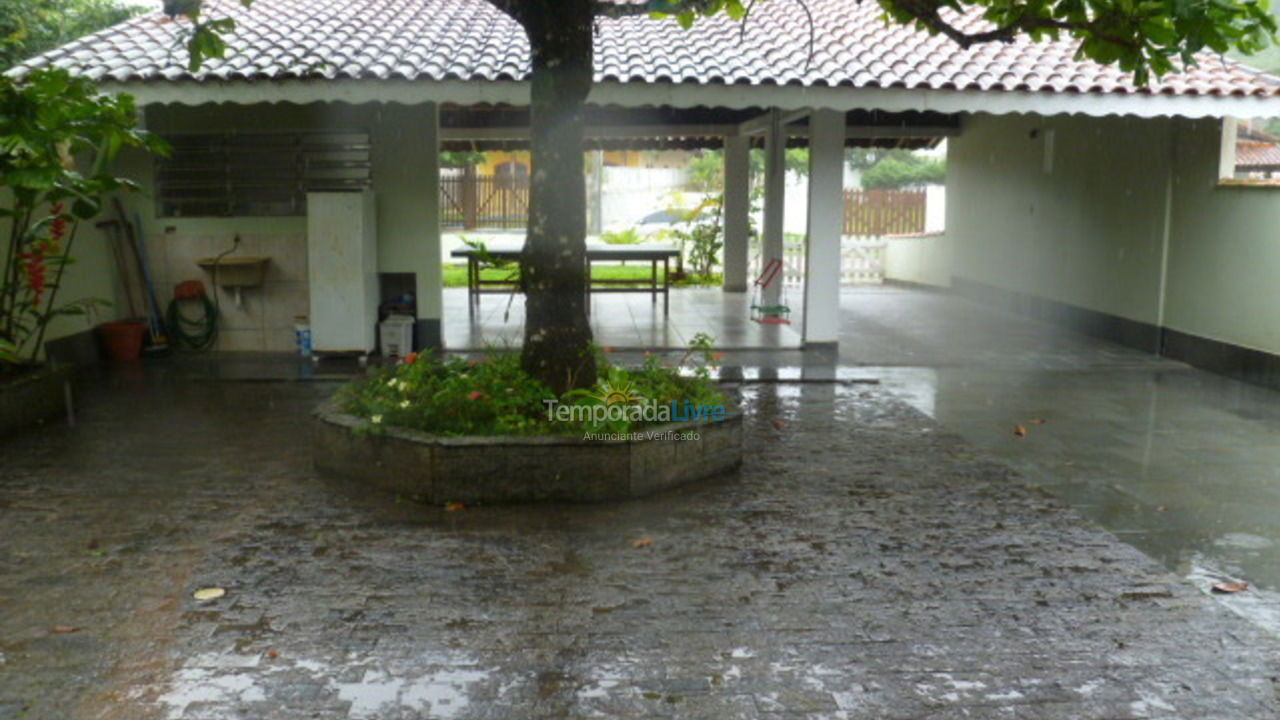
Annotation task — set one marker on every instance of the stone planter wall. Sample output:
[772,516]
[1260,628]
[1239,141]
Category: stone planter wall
[519,469]
[33,399]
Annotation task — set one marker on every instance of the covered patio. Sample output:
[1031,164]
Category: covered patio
[725,314]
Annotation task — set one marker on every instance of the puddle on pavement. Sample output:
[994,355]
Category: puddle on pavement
[241,680]
[1180,464]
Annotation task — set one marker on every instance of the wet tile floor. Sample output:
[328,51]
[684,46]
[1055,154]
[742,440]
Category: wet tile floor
[864,564]
[627,320]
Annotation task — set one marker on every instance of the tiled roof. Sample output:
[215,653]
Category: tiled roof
[471,40]
[1257,155]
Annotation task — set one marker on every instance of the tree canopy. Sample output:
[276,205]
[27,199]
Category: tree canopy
[894,169]
[706,171]
[30,27]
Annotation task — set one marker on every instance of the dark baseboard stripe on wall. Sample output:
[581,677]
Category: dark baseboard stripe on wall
[1256,367]
[1122,331]
[911,284]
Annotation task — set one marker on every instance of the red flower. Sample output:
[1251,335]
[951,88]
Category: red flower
[475,395]
[33,267]
[410,359]
[58,228]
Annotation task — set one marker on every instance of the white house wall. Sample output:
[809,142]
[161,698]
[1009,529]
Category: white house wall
[1087,227]
[1224,257]
[1083,226]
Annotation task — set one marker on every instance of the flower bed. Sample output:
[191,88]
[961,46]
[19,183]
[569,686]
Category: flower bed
[494,396]
[484,431]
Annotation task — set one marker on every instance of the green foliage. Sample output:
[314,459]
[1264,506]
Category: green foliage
[206,39]
[484,257]
[703,238]
[461,158]
[495,396]
[706,171]
[630,236]
[904,169]
[30,27]
[1142,37]
[58,138]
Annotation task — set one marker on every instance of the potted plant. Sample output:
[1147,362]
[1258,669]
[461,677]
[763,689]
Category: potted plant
[58,138]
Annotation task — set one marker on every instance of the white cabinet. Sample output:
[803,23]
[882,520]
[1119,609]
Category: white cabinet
[342,260]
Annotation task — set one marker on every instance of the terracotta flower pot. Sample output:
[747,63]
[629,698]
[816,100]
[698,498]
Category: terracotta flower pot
[122,340]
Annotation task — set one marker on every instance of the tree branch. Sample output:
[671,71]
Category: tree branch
[611,9]
[512,8]
[926,12]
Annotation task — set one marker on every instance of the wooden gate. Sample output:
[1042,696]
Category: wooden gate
[472,202]
[884,212]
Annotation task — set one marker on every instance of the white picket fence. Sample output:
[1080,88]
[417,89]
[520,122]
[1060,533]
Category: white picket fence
[861,261]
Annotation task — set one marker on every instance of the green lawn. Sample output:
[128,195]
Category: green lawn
[456,275]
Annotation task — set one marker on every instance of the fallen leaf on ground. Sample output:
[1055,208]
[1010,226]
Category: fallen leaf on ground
[93,544]
[273,653]
[64,629]
[642,542]
[779,425]
[454,507]
[1036,421]
[1019,431]
[1230,587]
[209,593]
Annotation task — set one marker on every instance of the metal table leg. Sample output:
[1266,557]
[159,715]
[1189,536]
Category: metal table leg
[666,287]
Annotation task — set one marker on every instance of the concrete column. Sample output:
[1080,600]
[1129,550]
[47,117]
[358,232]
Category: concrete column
[737,212]
[406,180]
[826,221]
[775,200]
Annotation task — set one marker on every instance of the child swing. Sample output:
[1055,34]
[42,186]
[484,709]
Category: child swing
[769,314]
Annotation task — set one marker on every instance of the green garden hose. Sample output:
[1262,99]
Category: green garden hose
[199,333]
[196,333]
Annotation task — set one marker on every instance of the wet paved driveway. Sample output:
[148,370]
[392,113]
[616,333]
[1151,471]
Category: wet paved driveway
[864,564]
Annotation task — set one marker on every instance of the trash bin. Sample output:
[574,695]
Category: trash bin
[395,335]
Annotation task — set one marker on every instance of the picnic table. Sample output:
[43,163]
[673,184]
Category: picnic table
[654,254]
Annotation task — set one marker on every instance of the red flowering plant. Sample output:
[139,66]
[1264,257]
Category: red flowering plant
[58,138]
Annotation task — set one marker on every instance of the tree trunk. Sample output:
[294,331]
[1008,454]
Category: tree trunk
[553,267]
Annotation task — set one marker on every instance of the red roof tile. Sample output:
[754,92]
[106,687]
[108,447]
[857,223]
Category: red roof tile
[1257,155]
[471,40]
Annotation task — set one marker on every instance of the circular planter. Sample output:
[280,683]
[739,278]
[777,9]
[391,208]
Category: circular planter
[519,469]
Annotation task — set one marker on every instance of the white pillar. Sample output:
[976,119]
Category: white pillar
[775,196]
[826,221]
[737,212]
[406,179]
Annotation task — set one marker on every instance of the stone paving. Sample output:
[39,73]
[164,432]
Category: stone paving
[864,564]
